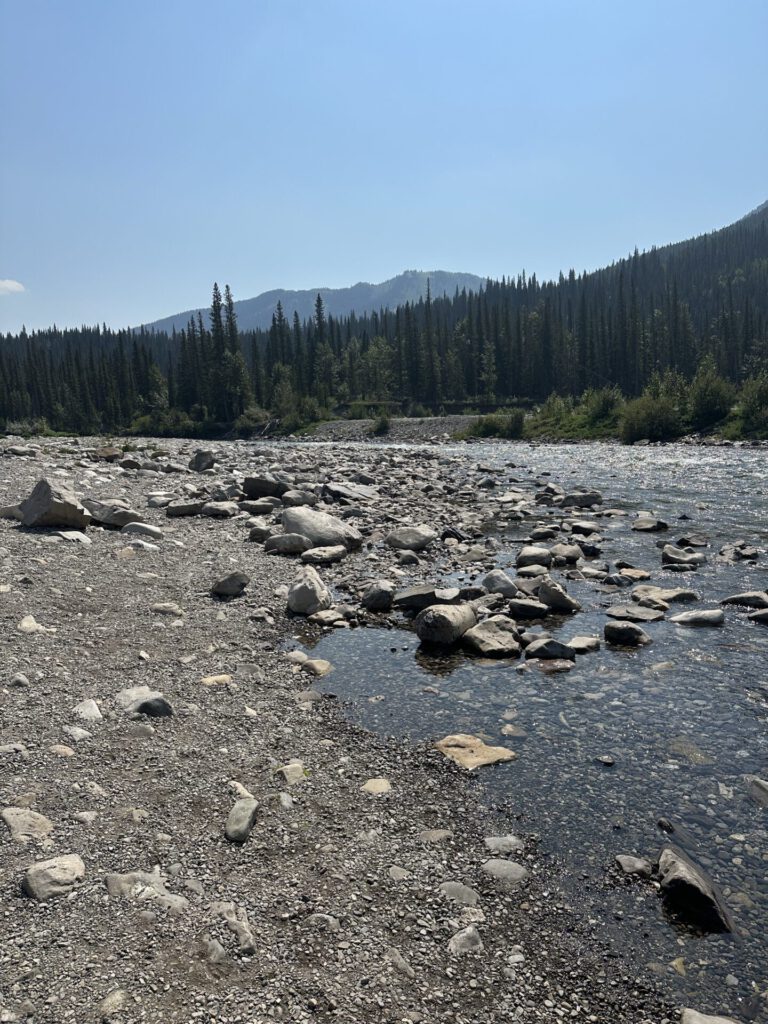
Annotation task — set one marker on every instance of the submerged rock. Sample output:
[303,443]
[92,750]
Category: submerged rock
[471,752]
[704,617]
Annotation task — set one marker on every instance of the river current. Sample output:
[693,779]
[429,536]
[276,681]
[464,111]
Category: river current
[683,721]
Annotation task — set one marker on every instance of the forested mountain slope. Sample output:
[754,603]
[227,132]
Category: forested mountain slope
[508,340]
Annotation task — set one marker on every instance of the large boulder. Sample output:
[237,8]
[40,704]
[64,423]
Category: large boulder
[308,594]
[444,624]
[54,504]
[55,877]
[411,538]
[702,617]
[691,893]
[322,529]
[424,595]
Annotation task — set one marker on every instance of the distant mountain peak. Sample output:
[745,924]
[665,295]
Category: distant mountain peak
[360,298]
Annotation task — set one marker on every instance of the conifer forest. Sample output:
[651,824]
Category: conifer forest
[649,327]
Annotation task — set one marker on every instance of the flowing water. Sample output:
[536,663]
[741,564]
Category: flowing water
[683,720]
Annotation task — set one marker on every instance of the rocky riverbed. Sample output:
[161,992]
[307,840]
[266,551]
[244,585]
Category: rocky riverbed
[192,827]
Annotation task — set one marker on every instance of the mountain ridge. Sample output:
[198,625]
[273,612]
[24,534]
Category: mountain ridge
[361,298]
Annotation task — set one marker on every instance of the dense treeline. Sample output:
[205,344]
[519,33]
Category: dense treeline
[656,313]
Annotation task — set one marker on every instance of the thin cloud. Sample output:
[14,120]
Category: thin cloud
[10,287]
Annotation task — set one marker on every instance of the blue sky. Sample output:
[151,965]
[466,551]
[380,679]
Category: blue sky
[150,147]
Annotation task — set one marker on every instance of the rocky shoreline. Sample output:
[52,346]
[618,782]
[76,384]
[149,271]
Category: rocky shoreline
[442,429]
[238,851]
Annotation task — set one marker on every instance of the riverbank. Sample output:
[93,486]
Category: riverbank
[332,907]
[443,429]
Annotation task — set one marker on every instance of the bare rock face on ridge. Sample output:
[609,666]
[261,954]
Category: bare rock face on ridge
[53,504]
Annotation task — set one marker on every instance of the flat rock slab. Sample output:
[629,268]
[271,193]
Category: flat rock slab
[507,873]
[751,599]
[144,886]
[25,825]
[694,1017]
[634,613]
[584,644]
[324,556]
[377,787]
[411,538]
[471,752]
[322,529]
[705,617]
[669,595]
[460,893]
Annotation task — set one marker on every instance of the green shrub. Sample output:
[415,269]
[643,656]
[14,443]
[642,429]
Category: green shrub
[252,421]
[598,405]
[381,424]
[754,404]
[651,419]
[507,425]
[710,397]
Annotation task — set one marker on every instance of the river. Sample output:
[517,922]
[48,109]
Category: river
[683,721]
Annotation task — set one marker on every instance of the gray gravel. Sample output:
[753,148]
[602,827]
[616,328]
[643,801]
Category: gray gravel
[332,902]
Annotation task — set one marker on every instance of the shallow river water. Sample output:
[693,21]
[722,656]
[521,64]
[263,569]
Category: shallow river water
[684,720]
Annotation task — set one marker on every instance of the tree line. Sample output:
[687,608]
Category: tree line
[514,341]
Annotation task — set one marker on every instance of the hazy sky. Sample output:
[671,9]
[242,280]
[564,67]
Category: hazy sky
[148,147]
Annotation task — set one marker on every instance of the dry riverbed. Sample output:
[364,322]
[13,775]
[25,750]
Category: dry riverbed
[234,850]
